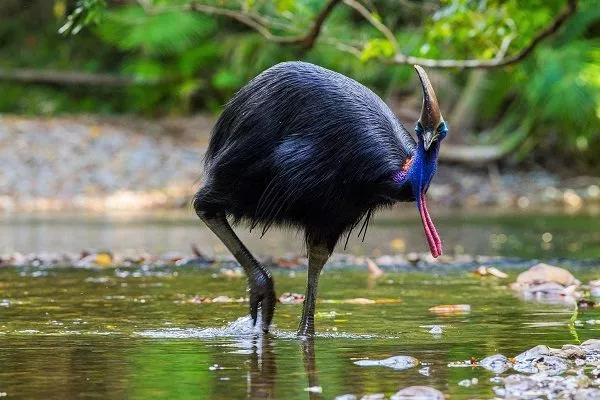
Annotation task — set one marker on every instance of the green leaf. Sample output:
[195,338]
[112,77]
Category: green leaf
[131,28]
[376,48]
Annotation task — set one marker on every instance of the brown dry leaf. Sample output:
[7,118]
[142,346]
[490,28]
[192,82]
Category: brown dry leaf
[493,271]
[546,273]
[291,298]
[387,301]
[451,309]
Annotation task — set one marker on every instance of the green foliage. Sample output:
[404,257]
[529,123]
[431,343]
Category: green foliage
[131,28]
[550,101]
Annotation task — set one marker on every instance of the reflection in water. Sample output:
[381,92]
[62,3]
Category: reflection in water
[262,376]
[530,236]
[310,366]
[263,368]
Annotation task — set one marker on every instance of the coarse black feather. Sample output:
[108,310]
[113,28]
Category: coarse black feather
[306,147]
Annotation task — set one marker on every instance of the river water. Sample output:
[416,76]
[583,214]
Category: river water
[142,333]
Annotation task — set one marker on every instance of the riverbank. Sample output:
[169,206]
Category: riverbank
[99,164]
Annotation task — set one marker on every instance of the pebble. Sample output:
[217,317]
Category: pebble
[418,392]
[436,330]
[496,363]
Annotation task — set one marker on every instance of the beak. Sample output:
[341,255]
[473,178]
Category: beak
[431,115]
[429,138]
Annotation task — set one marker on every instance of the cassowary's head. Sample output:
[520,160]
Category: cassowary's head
[431,128]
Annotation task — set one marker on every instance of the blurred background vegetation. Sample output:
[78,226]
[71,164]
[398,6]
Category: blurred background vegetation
[159,58]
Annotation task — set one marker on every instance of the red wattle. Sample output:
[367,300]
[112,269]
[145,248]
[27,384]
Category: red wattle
[433,239]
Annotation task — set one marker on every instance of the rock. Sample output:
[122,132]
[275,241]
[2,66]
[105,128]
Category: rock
[376,396]
[552,365]
[569,351]
[468,382]
[436,330]
[587,394]
[418,392]
[314,389]
[396,362]
[222,299]
[346,397]
[591,345]
[516,386]
[546,273]
[496,363]
[534,353]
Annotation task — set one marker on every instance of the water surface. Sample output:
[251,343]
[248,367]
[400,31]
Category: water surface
[141,332]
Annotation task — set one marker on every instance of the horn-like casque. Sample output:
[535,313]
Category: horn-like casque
[430,113]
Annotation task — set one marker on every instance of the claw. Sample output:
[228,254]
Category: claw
[268,309]
[262,293]
[254,302]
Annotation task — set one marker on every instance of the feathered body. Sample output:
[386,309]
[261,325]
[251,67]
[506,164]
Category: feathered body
[307,147]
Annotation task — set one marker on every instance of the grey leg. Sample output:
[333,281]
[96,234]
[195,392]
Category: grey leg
[260,281]
[317,257]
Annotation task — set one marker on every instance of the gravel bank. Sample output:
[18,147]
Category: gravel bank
[84,163]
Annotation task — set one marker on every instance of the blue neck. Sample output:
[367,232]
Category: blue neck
[421,170]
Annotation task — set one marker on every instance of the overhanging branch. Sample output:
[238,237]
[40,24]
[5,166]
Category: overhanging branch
[560,19]
[69,78]
[306,41]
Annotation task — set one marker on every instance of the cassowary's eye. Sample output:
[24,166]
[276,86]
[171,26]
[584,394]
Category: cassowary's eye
[442,129]
[419,128]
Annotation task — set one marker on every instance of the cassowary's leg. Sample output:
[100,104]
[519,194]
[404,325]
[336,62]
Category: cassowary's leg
[260,282]
[317,257]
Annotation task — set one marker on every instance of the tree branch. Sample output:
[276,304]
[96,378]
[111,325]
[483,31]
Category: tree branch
[560,19]
[69,78]
[375,22]
[257,22]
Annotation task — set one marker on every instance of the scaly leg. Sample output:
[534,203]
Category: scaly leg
[317,257]
[260,281]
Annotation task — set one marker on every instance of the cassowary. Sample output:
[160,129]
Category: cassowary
[309,148]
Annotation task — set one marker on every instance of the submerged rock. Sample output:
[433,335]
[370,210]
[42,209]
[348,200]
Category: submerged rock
[496,363]
[418,392]
[396,362]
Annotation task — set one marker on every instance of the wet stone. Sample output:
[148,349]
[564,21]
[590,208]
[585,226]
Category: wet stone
[396,362]
[418,392]
[571,352]
[346,397]
[534,353]
[552,365]
[587,394]
[376,396]
[496,363]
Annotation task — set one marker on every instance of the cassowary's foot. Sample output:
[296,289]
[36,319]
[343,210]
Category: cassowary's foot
[262,292]
[306,329]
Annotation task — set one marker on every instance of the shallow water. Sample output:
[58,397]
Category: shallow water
[138,333]
[135,333]
[539,234]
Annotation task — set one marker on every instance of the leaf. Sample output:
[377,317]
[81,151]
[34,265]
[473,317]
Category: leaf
[164,33]
[451,309]
[376,48]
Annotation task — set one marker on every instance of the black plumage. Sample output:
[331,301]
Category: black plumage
[306,147]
